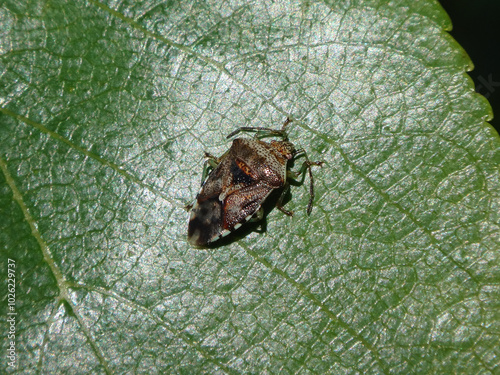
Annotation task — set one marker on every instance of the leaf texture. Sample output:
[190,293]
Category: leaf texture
[106,109]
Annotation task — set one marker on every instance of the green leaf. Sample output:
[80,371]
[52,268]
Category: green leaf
[105,111]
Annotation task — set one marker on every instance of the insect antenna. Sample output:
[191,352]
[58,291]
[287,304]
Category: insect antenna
[270,132]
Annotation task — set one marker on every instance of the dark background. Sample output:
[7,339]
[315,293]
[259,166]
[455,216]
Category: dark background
[476,26]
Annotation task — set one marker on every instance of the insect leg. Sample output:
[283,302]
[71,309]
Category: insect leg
[307,165]
[211,162]
[279,203]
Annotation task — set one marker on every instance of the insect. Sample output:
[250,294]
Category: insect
[241,180]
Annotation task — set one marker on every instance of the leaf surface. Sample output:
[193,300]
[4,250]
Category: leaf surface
[106,109]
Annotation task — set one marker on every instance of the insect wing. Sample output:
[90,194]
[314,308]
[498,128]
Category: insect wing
[240,206]
[230,196]
[206,222]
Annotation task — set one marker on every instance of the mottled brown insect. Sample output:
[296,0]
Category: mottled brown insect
[240,182]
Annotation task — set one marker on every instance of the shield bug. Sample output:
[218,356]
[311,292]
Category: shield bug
[241,180]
